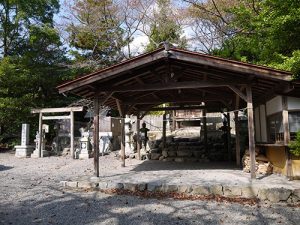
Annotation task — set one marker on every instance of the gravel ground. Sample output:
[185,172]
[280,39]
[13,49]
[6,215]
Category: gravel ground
[30,194]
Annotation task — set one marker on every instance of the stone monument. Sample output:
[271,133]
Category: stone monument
[24,150]
[129,148]
[85,148]
[44,152]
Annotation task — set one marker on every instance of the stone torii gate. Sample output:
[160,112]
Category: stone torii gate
[71,110]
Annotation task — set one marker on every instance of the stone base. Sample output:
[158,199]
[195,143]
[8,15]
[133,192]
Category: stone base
[85,155]
[23,151]
[35,153]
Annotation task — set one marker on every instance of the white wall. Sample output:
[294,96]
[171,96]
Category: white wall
[293,103]
[274,105]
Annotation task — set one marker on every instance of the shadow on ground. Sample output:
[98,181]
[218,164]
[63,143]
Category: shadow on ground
[97,208]
[151,165]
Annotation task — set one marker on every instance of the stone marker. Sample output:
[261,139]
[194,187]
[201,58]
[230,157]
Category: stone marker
[24,150]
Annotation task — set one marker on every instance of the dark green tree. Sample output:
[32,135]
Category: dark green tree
[266,33]
[31,65]
[165,28]
[96,33]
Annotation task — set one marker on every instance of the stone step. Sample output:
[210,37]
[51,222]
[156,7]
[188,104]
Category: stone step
[271,194]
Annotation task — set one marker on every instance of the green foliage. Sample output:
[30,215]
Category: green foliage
[164,28]
[97,34]
[31,64]
[295,145]
[265,33]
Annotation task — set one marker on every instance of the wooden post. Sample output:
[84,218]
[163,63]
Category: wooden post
[164,130]
[251,131]
[138,146]
[40,134]
[228,138]
[237,139]
[205,131]
[72,133]
[123,141]
[96,135]
[286,135]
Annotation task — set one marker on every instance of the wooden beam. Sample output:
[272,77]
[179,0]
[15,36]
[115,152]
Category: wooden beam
[238,92]
[120,108]
[171,86]
[56,117]
[57,110]
[251,131]
[96,135]
[176,108]
[173,100]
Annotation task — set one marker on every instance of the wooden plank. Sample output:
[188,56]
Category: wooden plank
[251,131]
[96,135]
[238,92]
[72,134]
[56,110]
[56,117]
[171,86]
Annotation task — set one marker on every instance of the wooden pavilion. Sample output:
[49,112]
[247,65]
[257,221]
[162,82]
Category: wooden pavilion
[186,80]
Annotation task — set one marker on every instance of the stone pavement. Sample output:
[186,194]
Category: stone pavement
[220,179]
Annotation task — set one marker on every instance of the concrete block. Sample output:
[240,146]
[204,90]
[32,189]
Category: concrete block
[167,188]
[102,185]
[63,183]
[130,186]
[86,184]
[274,194]
[154,186]
[200,190]
[115,185]
[296,195]
[232,191]
[249,192]
[72,184]
[216,190]
[142,187]
[184,189]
